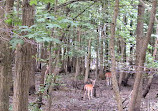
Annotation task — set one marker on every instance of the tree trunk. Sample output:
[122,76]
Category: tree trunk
[23,61]
[121,77]
[32,75]
[88,61]
[5,56]
[56,69]
[77,60]
[141,53]
[49,100]
[97,59]
[83,65]
[101,68]
[112,51]
[146,91]
[43,72]
[77,73]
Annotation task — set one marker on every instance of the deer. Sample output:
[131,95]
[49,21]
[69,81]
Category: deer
[108,76]
[89,89]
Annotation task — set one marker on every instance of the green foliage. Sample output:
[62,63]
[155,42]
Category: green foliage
[24,29]
[41,30]
[14,41]
[90,17]
[47,1]
[50,25]
[33,107]
[9,21]
[80,77]
[150,62]
[10,107]
[33,2]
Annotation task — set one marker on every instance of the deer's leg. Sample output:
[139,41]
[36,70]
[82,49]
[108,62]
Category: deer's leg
[91,93]
[106,81]
[85,93]
[110,81]
[88,94]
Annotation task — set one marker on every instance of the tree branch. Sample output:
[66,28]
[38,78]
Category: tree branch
[70,2]
[75,19]
[149,10]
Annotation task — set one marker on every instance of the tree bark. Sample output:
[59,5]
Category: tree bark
[5,56]
[49,100]
[88,61]
[112,51]
[77,60]
[121,77]
[23,61]
[97,59]
[32,89]
[101,68]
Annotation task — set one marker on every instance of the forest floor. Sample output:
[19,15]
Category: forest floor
[68,98]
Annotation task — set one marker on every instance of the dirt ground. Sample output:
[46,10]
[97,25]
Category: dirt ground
[71,99]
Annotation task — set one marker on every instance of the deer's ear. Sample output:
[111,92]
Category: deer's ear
[92,80]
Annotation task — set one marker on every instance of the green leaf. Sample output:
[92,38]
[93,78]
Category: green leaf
[33,26]
[39,39]
[47,1]
[56,40]
[74,24]
[65,21]
[15,41]
[23,27]
[50,25]
[30,36]
[47,39]
[33,2]
[25,30]
[9,21]
[41,20]
[51,17]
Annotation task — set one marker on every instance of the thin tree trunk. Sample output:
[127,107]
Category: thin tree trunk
[77,60]
[88,61]
[50,87]
[122,60]
[77,69]
[49,100]
[139,42]
[32,75]
[83,65]
[33,64]
[112,51]
[101,68]
[97,59]
[43,72]
[146,91]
